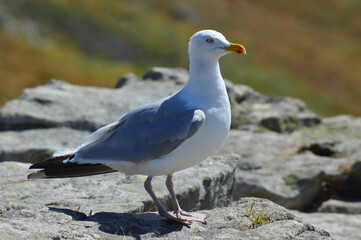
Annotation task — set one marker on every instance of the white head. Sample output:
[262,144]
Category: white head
[210,44]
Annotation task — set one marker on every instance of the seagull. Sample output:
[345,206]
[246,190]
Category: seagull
[163,136]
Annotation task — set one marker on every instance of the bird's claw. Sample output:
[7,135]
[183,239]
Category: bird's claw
[184,218]
[191,217]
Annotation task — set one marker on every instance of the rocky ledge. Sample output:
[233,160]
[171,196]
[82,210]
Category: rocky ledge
[104,206]
[249,218]
[284,152]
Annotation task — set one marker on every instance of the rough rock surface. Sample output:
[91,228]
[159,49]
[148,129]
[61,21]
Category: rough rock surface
[251,110]
[203,187]
[87,108]
[339,206]
[37,144]
[178,75]
[340,226]
[60,104]
[301,169]
[249,218]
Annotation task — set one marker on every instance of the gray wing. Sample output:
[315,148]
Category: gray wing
[146,133]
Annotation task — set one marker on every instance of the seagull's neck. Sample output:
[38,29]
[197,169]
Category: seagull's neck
[205,77]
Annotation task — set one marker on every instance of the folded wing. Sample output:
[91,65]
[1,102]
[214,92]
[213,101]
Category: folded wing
[147,133]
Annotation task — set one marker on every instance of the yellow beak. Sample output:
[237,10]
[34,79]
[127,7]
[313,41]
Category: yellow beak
[236,48]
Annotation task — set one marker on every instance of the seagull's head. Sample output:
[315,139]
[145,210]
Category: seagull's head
[210,44]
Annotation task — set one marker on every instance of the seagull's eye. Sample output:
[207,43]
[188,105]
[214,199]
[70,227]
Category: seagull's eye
[209,40]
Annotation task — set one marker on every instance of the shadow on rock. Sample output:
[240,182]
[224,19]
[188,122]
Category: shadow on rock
[126,224]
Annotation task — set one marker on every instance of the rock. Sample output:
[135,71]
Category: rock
[333,147]
[126,79]
[207,186]
[37,144]
[263,172]
[339,206]
[355,172]
[339,137]
[281,168]
[279,114]
[326,149]
[345,122]
[85,108]
[340,226]
[258,148]
[60,104]
[249,218]
[177,75]
[293,182]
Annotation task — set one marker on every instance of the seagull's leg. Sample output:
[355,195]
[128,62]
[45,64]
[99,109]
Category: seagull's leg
[161,210]
[198,217]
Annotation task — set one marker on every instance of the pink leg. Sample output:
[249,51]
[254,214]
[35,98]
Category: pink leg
[161,210]
[187,216]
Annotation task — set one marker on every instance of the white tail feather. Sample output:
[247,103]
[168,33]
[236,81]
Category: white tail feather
[66,151]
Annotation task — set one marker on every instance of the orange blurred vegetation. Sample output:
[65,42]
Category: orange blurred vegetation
[305,49]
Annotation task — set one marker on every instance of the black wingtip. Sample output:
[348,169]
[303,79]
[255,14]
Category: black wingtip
[56,168]
[53,162]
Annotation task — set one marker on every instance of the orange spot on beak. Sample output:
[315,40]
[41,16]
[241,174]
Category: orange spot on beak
[236,48]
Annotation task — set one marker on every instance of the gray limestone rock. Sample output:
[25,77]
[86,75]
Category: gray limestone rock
[294,182]
[206,186]
[340,226]
[279,114]
[37,144]
[127,79]
[258,148]
[85,108]
[355,172]
[46,113]
[297,170]
[339,206]
[249,218]
[88,108]
[177,75]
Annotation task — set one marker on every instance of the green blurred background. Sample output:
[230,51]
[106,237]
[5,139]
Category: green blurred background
[305,49]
